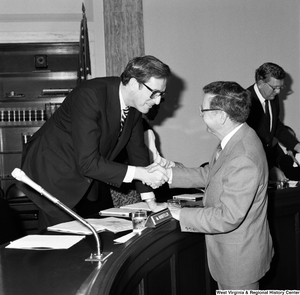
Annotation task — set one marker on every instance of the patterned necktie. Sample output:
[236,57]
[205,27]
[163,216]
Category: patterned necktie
[218,152]
[124,114]
[267,110]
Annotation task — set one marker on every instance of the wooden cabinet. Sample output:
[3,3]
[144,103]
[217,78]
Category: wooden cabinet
[29,70]
[19,119]
[34,79]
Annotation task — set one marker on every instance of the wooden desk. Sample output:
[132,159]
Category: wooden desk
[160,261]
[284,220]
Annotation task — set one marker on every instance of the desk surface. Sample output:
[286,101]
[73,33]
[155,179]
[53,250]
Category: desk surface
[156,252]
[53,271]
[158,260]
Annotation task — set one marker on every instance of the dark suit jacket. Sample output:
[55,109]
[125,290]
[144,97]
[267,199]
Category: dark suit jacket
[79,144]
[234,219]
[257,120]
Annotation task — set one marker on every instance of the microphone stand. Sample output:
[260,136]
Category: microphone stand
[21,176]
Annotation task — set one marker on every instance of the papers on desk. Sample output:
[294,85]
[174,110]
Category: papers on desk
[189,197]
[124,239]
[125,211]
[137,206]
[110,223]
[44,242]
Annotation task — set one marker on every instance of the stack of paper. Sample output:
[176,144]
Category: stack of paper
[125,211]
[110,223]
[44,242]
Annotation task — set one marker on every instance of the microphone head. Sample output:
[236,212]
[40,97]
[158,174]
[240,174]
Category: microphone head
[18,174]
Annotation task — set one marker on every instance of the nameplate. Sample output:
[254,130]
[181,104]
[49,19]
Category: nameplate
[158,218]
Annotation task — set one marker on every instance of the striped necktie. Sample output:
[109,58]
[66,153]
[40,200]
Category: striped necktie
[124,114]
[218,152]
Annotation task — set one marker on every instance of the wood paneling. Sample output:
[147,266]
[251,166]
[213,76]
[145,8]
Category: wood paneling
[124,33]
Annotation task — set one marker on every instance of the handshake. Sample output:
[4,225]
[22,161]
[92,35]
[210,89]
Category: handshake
[153,175]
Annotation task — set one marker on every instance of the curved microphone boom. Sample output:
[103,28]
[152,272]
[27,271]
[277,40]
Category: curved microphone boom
[21,176]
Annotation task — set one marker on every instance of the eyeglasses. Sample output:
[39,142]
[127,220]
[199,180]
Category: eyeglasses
[274,88]
[206,110]
[155,93]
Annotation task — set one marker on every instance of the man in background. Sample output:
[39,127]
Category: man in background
[264,115]
[72,156]
[234,216]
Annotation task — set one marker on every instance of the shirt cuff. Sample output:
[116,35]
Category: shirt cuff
[170,176]
[129,174]
[147,195]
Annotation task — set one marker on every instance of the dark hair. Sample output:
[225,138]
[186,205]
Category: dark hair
[143,68]
[268,70]
[231,98]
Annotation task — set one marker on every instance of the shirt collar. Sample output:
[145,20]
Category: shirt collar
[260,97]
[122,102]
[229,135]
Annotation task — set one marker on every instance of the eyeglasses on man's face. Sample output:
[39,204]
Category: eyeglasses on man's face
[202,110]
[275,88]
[155,93]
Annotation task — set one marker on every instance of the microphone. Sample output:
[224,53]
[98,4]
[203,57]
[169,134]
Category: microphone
[21,176]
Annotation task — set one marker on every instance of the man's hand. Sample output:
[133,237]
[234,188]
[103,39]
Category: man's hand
[154,178]
[277,175]
[175,211]
[155,207]
[156,167]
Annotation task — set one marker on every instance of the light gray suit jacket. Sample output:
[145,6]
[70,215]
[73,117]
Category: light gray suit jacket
[234,219]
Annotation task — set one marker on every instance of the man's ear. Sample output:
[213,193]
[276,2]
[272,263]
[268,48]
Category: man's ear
[260,83]
[133,84]
[223,117]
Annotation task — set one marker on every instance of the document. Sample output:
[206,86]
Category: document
[124,239]
[137,206]
[45,242]
[112,224]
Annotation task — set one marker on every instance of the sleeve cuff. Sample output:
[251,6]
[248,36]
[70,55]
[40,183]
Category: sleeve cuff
[129,174]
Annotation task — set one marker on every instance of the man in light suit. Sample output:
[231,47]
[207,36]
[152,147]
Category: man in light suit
[73,155]
[234,216]
[269,81]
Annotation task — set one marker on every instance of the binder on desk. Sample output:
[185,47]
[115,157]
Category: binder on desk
[189,197]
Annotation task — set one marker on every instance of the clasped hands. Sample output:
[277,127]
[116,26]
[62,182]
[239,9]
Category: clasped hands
[156,175]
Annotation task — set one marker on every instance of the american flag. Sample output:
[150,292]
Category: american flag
[84,64]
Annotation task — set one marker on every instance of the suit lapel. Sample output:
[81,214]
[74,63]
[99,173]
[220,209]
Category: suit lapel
[125,135]
[113,114]
[227,150]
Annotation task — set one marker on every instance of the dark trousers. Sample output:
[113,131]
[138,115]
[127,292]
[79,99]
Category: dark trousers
[95,199]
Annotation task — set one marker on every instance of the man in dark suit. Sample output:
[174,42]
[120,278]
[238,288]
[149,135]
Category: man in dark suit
[72,156]
[264,115]
[234,216]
